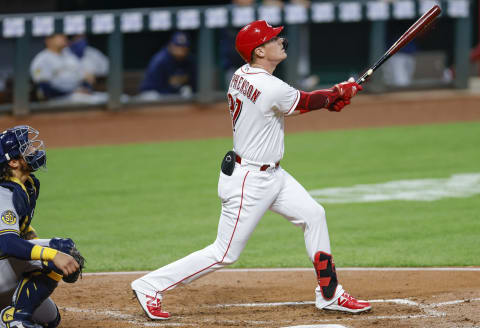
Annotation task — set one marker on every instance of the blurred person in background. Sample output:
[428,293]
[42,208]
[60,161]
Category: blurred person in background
[93,61]
[59,76]
[171,71]
[399,69]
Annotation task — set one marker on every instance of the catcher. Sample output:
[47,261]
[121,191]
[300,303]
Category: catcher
[30,268]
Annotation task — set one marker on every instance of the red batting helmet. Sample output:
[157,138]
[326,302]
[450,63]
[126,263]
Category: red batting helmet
[254,35]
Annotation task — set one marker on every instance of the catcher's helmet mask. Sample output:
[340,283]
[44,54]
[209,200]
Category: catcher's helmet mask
[22,142]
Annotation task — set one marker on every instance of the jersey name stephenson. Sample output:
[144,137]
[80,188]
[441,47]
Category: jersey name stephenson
[258,104]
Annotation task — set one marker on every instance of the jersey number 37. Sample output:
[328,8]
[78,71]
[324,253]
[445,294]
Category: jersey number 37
[235,109]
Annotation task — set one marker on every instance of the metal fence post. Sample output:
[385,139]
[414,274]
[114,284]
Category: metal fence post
[115,73]
[463,38]
[21,77]
[205,66]
[378,38]
[291,70]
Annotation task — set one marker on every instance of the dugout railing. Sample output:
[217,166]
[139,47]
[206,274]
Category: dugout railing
[115,24]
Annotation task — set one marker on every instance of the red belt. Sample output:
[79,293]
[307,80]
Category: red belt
[264,167]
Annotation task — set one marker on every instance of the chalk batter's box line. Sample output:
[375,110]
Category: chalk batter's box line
[427,308]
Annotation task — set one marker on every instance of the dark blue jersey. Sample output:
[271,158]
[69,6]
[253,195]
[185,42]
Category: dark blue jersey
[17,206]
[166,75]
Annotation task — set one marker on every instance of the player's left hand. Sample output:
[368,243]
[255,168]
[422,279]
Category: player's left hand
[348,89]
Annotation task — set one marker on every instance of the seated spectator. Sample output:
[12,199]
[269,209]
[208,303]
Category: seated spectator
[93,61]
[398,71]
[171,71]
[58,74]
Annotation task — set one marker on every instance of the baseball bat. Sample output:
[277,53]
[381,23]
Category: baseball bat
[406,37]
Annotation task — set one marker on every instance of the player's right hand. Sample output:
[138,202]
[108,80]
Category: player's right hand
[348,89]
[66,263]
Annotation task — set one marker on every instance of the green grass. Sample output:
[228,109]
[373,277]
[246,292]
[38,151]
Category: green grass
[138,207]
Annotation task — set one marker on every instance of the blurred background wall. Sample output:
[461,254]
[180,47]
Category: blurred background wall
[323,52]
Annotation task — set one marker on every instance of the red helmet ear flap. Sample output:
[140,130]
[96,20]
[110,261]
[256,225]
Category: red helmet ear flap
[253,35]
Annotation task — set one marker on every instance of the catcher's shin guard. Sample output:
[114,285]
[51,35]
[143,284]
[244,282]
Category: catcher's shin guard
[8,321]
[326,274]
[54,323]
[31,292]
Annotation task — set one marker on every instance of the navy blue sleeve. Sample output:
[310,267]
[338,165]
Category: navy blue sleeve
[11,244]
[154,75]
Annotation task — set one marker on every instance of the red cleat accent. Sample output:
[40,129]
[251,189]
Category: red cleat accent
[152,306]
[347,303]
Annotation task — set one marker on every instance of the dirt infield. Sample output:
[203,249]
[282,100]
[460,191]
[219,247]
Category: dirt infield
[251,299]
[182,122]
[400,298]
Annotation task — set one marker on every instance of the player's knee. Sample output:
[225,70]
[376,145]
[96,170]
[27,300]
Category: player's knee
[230,259]
[315,218]
[47,314]
[225,255]
[316,213]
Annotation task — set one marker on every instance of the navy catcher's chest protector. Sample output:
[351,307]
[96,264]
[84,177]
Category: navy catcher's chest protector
[24,199]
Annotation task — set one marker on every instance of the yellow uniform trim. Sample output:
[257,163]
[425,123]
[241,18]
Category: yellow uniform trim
[29,178]
[55,276]
[22,228]
[8,315]
[9,230]
[19,291]
[43,253]
[16,180]
[36,253]
[30,229]
[49,254]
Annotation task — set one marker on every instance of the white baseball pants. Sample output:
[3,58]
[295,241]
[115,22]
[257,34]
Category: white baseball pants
[246,196]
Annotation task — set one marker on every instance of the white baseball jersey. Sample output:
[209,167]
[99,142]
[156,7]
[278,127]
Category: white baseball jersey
[258,103]
[93,61]
[63,71]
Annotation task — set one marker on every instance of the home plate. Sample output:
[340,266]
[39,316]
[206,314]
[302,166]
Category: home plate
[317,326]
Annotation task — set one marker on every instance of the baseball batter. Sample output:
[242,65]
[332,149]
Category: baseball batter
[252,181]
[30,268]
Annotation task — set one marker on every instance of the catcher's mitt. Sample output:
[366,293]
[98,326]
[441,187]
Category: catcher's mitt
[68,247]
[71,278]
